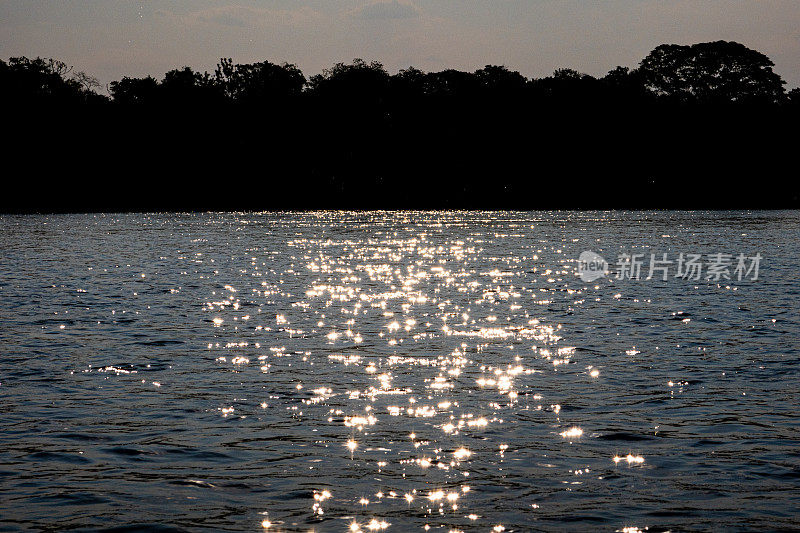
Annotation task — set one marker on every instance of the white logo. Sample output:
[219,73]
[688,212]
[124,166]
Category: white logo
[591,266]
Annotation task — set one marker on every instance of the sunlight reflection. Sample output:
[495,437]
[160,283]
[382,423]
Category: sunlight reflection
[401,312]
[572,433]
[630,459]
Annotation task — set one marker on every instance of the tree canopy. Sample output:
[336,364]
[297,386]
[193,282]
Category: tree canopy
[719,72]
[258,82]
[39,81]
[686,124]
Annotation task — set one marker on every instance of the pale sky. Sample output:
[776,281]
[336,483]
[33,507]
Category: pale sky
[112,38]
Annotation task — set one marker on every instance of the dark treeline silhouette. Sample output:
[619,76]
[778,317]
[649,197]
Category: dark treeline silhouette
[702,126]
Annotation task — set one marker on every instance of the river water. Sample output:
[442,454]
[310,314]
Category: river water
[397,372]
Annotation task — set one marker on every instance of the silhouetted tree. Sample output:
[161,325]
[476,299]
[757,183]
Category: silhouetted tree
[134,90]
[569,75]
[566,86]
[89,84]
[258,83]
[501,85]
[618,77]
[354,136]
[24,80]
[407,93]
[452,84]
[186,87]
[359,84]
[500,79]
[179,88]
[408,84]
[718,72]
[624,86]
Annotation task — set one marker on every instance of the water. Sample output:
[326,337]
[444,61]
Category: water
[394,372]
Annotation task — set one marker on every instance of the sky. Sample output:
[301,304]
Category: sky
[114,38]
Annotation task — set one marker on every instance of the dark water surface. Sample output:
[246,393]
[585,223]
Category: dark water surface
[395,372]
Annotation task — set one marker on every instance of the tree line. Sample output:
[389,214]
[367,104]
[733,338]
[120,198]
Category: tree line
[709,125]
[712,73]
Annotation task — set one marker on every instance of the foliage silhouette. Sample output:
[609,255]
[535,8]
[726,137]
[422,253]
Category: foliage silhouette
[707,125]
[720,72]
[360,86]
[793,96]
[45,82]
[258,83]
[130,91]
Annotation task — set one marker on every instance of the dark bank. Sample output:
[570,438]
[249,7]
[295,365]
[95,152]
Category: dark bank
[706,126]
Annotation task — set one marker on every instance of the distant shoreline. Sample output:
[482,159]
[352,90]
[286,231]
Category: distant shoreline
[661,158]
[100,211]
[707,126]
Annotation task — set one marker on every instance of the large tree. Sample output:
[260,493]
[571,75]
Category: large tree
[718,72]
[24,80]
[359,83]
[185,87]
[134,90]
[259,83]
